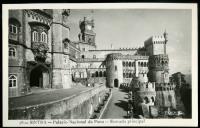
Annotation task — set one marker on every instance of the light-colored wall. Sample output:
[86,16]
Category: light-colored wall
[104,53]
[61,73]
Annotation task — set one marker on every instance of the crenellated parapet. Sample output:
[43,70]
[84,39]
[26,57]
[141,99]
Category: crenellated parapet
[159,62]
[114,56]
[145,86]
[165,86]
[155,40]
[119,56]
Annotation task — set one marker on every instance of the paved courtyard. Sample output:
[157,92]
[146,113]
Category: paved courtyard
[118,105]
[45,96]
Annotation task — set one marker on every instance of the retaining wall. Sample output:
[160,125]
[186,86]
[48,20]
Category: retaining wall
[80,106]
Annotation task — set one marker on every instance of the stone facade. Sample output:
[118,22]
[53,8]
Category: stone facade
[41,54]
[158,90]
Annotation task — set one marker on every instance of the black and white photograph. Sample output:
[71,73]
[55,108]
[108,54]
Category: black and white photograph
[100,64]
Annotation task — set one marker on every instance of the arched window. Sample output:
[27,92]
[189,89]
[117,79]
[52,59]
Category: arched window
[124,75]
[138,63]
[12,52]
[124,64]
[43,37]
[35,36]
[129,75]
[142,64]
[115,68]
[100,74]
[133,64]
[96,74]
[14,25]
[146,85]
[12,81]
[129,64]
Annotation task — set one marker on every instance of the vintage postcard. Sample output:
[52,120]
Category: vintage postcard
[122,64]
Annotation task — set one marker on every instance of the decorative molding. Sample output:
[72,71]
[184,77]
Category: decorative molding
[38,17]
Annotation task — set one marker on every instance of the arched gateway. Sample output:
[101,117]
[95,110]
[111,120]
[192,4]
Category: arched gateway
[116,83]
[39,77]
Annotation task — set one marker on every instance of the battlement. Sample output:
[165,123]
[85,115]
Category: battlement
[158,39]
[154,40]
[146,86]
[164,86]
[119,56]
[128,48]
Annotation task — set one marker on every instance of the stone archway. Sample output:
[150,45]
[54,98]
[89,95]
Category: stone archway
[40,77]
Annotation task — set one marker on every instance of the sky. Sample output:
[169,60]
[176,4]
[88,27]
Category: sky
[129,28]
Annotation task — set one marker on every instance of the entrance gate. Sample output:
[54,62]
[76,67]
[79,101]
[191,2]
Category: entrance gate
[39,77]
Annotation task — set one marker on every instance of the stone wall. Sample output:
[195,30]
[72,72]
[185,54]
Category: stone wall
[80,106]
[165,99]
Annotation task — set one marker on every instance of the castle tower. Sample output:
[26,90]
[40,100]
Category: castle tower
[159,72]
[60,59]
[87,34]
[16,54]
[114,70]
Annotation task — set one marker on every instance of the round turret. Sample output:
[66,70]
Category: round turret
[158,68]
[114,70]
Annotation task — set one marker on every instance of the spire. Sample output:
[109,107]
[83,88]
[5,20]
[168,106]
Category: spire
[165,34]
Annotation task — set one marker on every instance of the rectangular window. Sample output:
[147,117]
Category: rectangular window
[10,83]
[13,29]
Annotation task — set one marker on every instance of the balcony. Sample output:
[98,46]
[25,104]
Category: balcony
[13,36]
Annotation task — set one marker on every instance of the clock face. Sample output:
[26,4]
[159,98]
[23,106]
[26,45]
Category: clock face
[89,27]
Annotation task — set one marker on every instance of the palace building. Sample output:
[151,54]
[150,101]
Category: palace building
[42,55]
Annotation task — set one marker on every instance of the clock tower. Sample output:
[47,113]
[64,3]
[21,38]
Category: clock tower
[87,34]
